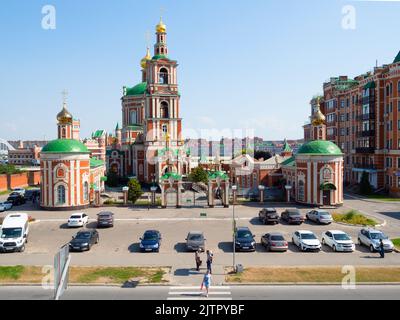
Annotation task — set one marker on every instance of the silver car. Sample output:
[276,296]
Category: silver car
[371,238]
[195,241]
[320,216]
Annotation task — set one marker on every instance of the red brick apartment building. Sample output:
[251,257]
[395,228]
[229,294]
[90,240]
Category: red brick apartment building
[363,119]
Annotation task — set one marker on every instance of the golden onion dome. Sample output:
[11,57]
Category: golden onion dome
[161,27]
[318,117]
[143,62]
[64,116]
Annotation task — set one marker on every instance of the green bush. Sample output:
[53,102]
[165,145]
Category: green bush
[198,175]
[135,190]
[8,169]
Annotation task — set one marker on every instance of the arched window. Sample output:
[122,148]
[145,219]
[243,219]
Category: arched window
[61,195]
[165,129]
[301,190]
[163,76]
[133,119]
[86,191]
[164,110]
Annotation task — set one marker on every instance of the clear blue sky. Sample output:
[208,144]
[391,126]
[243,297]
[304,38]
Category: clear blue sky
[253,63]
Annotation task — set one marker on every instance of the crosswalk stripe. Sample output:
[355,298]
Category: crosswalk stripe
[199,298]
[180,293]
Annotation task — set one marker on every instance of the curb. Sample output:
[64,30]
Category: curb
[383,224]
[371,200]
[10,284]
[285,284]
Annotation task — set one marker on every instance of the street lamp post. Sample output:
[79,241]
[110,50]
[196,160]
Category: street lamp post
[234,189]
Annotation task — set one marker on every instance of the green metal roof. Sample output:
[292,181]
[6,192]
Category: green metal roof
[162,152]
[65,146]
[136,127]
[137,90]
[171,174]
[289,162]
[320,147]
[117,127]
[160,56]
[286,147]
[96,163]
[397,59]
[216,174]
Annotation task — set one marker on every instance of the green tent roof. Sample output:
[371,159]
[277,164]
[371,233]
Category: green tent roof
[96,163]
[286,147]
[160,56]
[320,147]
[397,59]
[137,90]
[370,85]
[65,146]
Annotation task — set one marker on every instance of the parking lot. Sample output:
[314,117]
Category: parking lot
[120,245]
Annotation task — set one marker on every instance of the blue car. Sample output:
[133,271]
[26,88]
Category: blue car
[151,241]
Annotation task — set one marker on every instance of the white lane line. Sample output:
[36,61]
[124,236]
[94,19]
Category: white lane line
[199,298]
[194,287]
[199,293]
[153,219]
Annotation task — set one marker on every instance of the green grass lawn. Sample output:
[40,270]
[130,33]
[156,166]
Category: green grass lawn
[354,217]
[13,273]
[396,242]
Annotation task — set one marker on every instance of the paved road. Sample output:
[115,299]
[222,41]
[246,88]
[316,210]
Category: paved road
[216,293]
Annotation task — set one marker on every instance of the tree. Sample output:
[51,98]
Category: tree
[8,169]
[198,175]
[262,155]
[365,186]
[113,179]
[135,190]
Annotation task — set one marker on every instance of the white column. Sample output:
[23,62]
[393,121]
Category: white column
[51,187]
[315,182]
[78,183]
[45,185]
[309,182]
[72,183]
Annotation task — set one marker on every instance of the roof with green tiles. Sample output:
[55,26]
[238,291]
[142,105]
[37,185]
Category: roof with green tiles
[65,146]
[397,59]
[217,174]
[289,162]
[94,163]
[286,147]
[320,147]
[159,57]
[98,134]
[137,90]
[135,127]
[173,175]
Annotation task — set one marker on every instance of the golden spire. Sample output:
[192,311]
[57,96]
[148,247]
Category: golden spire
[143,62]
[318,117]
[161,27]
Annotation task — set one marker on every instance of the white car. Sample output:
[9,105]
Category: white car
[338,241]
[6,205]
[21,191]
[320,216]
[306,241]
[78,220]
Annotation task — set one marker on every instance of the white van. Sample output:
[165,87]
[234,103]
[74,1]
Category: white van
[14,232]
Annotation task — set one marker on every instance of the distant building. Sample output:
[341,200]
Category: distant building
[24,156]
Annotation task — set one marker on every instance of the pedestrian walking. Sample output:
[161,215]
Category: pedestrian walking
[210,257]
[382,249]
[198,260]
[206,283]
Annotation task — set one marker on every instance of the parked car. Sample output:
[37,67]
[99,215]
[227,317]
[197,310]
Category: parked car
[105,219]
[14,232]
[244,240]
[371,238]
[30,194]
[274,242]
[151,241]
[7,205]
[78,220]
[21,191]
[292,216]
[306,241]
[16,199]
[319,216]
[338,241]
[84,240]
[195,241]
[268,215]
[2,208]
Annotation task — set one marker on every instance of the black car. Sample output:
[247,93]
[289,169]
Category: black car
[16,199]
[84,240]
[292,216]
[105,219]
[31,194]
[268,215]
[244,240]
[151,241]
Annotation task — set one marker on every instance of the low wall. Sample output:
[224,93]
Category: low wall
[3,182]
[19,180]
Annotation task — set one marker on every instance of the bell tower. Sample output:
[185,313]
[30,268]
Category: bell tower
[65,121]
[318,124]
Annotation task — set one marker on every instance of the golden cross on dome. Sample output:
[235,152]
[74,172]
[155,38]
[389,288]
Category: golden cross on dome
[148,38]
[162,11]
[65,95]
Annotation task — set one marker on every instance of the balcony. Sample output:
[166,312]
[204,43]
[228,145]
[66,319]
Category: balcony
[366,133]
[366,116]
[365,150]
[365,166]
